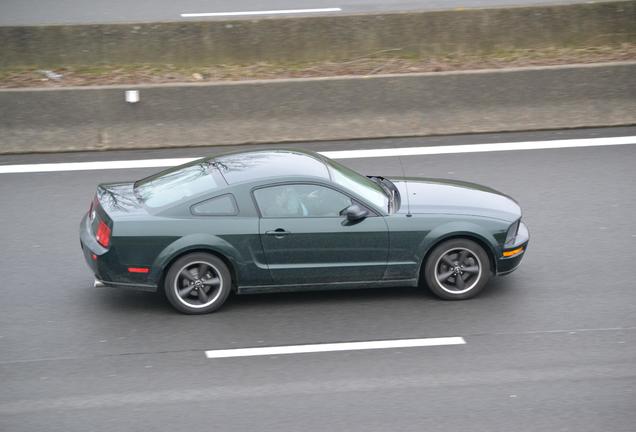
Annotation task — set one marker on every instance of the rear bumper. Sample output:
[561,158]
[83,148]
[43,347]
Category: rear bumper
[135,287]
[108,271]
[92,250]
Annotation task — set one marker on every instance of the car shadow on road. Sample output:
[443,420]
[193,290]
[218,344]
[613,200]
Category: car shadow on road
[131,301]
[148,302]
[329,296]
[495,289]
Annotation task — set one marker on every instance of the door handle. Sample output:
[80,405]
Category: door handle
[278,232]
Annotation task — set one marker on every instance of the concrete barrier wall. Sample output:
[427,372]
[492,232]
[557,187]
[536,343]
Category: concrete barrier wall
[44,120]
[321,38]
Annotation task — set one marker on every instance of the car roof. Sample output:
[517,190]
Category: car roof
[254,165]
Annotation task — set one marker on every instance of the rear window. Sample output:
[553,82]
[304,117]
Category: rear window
[176,184]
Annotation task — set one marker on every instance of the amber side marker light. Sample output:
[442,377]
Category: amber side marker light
[512,252]
[138,270]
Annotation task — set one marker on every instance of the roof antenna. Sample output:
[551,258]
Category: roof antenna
[406,186]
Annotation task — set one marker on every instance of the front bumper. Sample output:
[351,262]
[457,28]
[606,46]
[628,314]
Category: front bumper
[508,264]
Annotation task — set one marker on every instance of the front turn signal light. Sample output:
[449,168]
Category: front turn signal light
[513,252]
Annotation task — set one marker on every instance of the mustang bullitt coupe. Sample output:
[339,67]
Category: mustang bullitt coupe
[283,220]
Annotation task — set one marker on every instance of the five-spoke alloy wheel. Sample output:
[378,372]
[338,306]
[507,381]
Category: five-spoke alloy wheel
[197,283]
[457,269]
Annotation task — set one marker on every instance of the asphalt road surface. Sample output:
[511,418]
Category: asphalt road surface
[551,347]
[39,12]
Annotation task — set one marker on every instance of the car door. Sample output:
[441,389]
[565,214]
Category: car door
[307,241]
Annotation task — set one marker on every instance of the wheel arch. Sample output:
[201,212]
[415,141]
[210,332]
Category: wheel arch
[209,244]
[477,238]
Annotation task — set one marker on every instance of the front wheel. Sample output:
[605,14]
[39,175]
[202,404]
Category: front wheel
[457,269]
[197,283]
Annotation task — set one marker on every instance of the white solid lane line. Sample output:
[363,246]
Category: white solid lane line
[337,154]
[330,347]
[93,166]
[264,12]
[476,148]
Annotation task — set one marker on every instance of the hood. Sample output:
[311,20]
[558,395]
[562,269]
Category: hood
[454,197]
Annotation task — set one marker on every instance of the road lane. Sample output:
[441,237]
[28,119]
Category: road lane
[333,154]
[36,12]
[320,146]
[510,375]
[70,352]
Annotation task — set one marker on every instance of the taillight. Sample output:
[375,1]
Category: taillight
[103,234]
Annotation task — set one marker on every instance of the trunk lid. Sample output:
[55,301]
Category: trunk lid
[118,200]
[112,202]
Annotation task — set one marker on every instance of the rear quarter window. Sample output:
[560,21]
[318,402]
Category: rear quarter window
[224,205]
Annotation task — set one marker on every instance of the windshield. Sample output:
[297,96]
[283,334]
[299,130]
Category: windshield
[358,184]
[176,184]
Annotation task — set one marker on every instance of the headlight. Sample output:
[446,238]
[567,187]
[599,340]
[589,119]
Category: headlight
[512,234]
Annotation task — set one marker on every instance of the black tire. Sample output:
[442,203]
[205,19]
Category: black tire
[191,292]
[453,260]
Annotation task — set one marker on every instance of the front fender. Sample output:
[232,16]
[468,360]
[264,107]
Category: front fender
[195,242]
[449,230]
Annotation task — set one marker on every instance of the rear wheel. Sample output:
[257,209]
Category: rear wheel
[457,269]
[197,283]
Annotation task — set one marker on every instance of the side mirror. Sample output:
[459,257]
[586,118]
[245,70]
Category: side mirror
[355,213]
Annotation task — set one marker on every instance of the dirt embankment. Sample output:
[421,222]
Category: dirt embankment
[379,63]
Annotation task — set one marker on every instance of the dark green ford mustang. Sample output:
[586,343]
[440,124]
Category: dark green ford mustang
[273,220]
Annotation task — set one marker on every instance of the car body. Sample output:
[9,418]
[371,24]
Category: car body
[281,220]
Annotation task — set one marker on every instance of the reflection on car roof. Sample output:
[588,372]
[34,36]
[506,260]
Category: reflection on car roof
[246,166]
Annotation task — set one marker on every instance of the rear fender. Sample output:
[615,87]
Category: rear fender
[196,242]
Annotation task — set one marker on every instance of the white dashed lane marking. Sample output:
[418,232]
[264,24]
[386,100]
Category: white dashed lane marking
[262,12]
[331,347]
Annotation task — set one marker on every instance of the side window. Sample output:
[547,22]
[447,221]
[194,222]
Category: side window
[300,200]
[223,205]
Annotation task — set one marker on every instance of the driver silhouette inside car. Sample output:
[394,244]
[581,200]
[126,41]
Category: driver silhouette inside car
[285,202]
[289,201]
